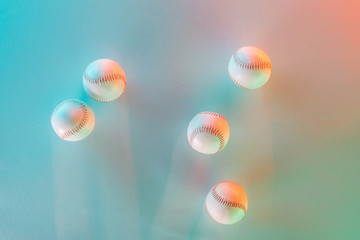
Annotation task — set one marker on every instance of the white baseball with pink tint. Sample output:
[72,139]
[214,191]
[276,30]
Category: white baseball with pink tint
[250,67]
[227,203]
[208,132]
[104,80]
[73,120]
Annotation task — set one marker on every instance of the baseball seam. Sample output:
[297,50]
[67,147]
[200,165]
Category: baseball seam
[212,216]
[105,79]
[237,83]
[209,129]
[212,114]
[251,66]
[224,201]
[84,119]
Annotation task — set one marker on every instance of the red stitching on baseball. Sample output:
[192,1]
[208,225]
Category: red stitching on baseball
[83,121]
[237,83]
[104,79]
[251,66]
[212,216]
[224,201]
[211,130]
[213,114]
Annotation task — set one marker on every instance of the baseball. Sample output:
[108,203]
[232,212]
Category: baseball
[208,132]
[73,120]
[226,203]
[250,67]
[104,80]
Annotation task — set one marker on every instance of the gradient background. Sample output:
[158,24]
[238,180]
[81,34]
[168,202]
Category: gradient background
[294,144]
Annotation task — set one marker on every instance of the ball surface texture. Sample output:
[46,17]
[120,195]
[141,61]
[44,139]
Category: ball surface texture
[250,67]
[73,120]
[226,203]
[208,132]
[104,80]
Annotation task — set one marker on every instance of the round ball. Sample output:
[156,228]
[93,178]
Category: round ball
[104,80]
[73,120]
[208,132]
[250,67]
[226,203]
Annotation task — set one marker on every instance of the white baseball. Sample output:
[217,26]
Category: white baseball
[250,67]
[73,120]
[226,203]
[104,80]
[208,132]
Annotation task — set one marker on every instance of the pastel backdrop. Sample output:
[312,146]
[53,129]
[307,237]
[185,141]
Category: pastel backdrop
[294,144]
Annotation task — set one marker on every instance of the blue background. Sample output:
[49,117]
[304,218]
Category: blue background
[294,144]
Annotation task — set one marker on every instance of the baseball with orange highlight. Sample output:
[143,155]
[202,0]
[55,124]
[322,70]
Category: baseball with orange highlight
[250,68]
[208,132]
[104,80]
[227,203]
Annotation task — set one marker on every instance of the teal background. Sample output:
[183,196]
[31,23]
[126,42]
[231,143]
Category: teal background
[294,144]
